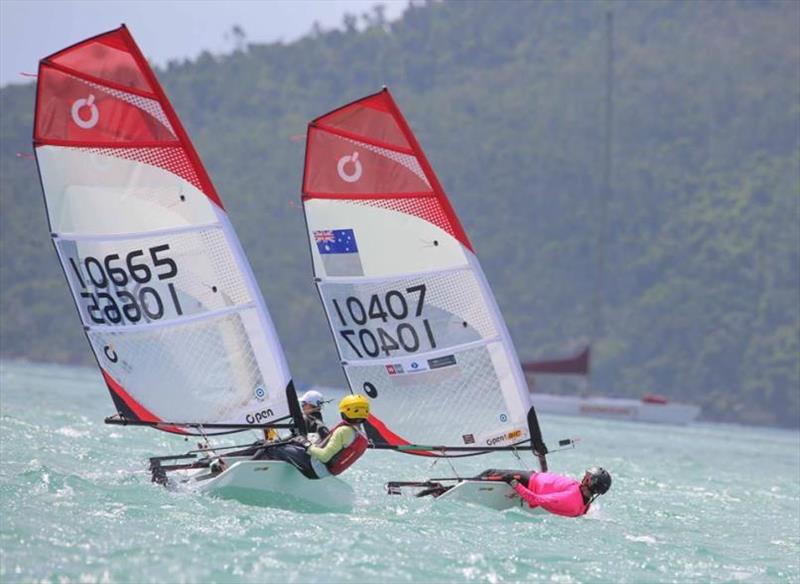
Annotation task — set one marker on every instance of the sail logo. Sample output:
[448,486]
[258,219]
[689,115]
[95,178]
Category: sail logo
[345,173]
[260,393]
[94,113]
[259,417]
[498,438]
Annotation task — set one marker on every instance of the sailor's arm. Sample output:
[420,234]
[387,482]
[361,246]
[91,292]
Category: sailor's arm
[339,440]
[560,502]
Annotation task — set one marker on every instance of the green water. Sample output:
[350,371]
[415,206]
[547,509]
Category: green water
[704,503]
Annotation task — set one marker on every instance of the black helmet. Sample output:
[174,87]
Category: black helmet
[599,480]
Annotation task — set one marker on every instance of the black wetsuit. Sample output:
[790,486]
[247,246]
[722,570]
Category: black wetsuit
[315,424]
[523,476]
[294,454]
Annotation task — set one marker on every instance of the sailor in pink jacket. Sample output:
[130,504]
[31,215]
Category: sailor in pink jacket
[555,493]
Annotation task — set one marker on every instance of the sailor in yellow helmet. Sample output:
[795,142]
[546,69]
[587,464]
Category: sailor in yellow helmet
[336,452]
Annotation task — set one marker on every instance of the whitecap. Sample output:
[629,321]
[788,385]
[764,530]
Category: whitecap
[648,539]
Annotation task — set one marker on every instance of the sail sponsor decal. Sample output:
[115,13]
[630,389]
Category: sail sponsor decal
[344,166]
[502,437]
[417,366]
[260,416]
[93,116]
[439,362]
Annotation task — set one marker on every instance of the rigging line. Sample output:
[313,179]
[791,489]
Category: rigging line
[208,444]
[452,467]
[515,452]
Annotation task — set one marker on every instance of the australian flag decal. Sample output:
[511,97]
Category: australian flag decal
[339,252]
[336,241]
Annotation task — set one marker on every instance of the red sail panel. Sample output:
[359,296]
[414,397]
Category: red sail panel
[365,151]
[350,166]
[370,118]
[101,93]
[73,109]
[109,57]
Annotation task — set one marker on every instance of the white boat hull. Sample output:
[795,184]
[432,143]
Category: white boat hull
[275,483]
[495,495]
[615,408]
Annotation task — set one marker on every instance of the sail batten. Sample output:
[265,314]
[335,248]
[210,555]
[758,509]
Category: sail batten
[166,296]
[135,234]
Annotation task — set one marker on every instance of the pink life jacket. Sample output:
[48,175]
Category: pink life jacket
[343,459]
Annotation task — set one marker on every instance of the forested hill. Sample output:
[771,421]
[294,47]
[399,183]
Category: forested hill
[702,280]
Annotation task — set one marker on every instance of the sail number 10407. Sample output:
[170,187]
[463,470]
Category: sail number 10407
[366,337]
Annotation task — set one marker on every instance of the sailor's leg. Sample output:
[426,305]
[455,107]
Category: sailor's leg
[505,474]
[294,454]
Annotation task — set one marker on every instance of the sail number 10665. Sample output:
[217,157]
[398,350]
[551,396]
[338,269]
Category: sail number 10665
[366,337]
[111,302]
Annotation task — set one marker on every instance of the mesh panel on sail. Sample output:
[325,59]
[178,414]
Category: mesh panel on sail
[107,57]
[407,316]
[440,404]
[136,281]
[368,117]
[198,371]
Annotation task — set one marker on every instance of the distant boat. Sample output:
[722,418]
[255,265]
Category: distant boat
[650,408]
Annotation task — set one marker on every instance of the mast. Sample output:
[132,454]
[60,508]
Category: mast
[606,192]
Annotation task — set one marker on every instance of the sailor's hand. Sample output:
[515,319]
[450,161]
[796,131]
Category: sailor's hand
[513,482]
[301,441]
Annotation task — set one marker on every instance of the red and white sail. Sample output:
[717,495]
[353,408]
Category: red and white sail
[164,291]
[415,322]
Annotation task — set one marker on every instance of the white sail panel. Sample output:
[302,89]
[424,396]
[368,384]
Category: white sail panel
[464,387]
[385,240]
[213,360]
[125,195]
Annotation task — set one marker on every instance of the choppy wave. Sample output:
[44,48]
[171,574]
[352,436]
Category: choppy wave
[697,504]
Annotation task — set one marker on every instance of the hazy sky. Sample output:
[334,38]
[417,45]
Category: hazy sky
[174,29]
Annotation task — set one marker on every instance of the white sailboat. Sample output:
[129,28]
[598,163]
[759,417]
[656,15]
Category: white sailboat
[414,319]
[165,294]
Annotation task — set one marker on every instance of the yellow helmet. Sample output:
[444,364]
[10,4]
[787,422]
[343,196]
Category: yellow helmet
[354,407]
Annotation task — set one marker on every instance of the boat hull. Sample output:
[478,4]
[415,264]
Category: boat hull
[495,495]
[275,483]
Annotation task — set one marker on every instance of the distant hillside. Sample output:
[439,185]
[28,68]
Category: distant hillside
[702,294]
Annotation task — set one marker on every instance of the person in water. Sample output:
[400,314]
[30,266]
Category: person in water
[335,453]
[552,492]
[312,402]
